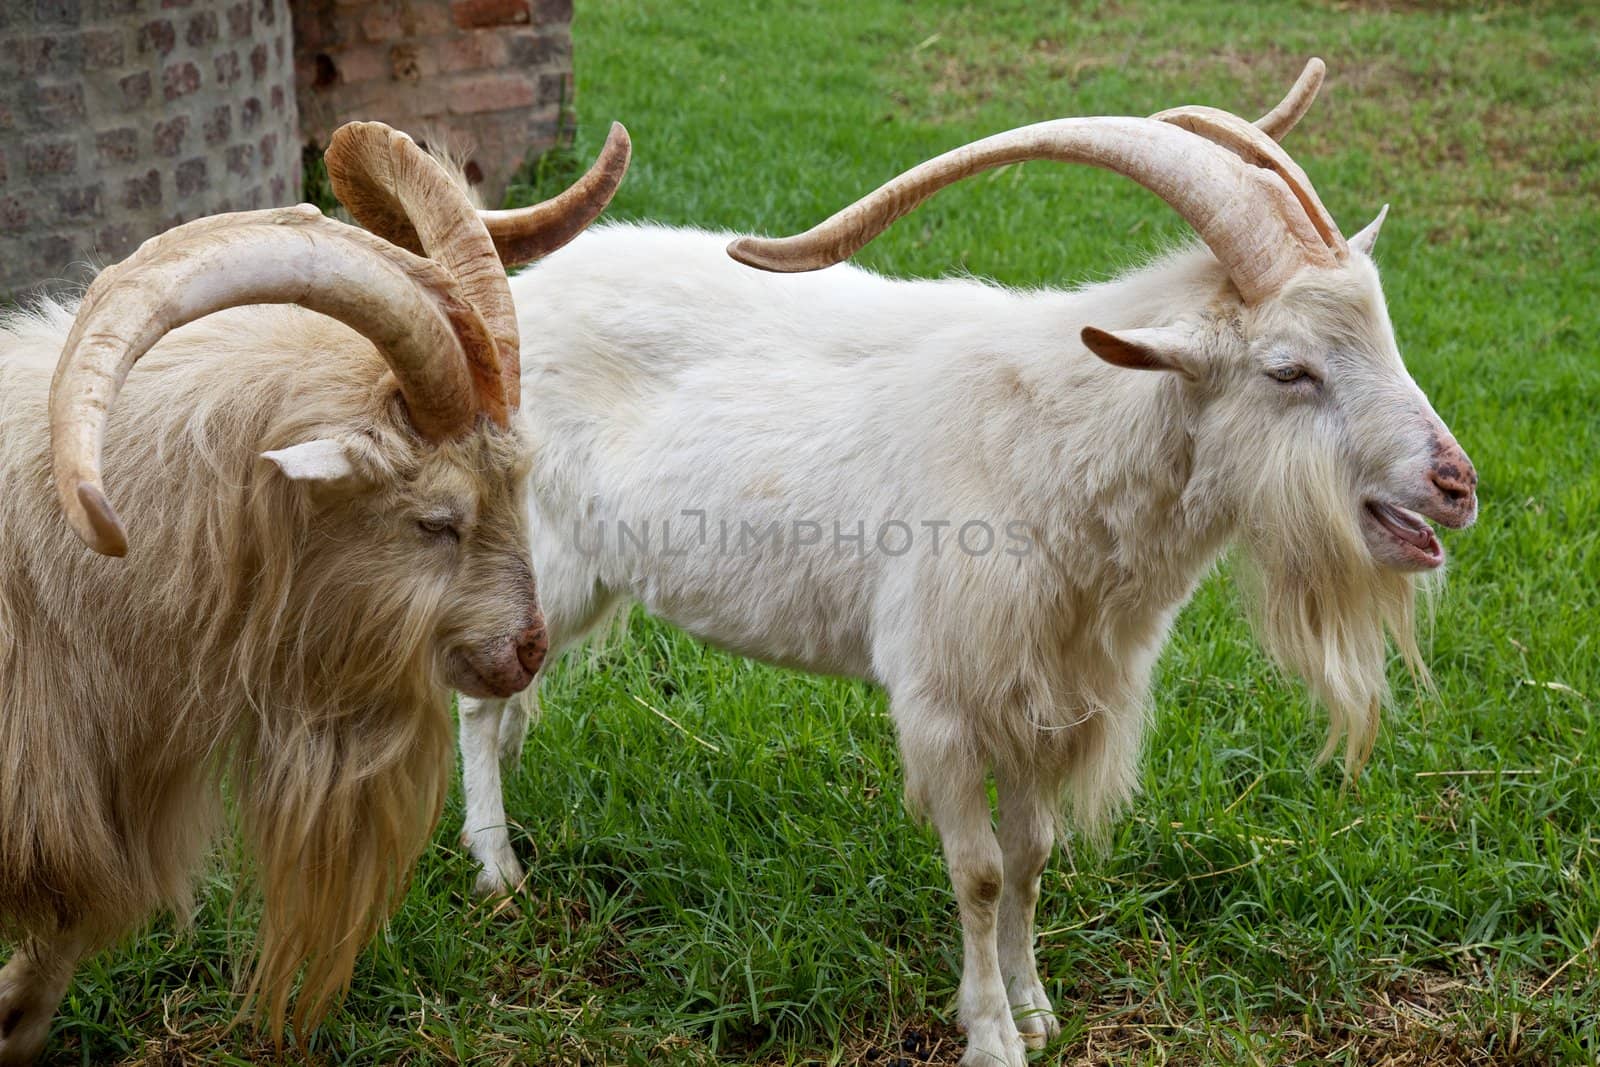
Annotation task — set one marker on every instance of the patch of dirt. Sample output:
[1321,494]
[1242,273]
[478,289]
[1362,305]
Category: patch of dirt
[1451,7]
[1426,1019]
[196,1046]
[911,1046]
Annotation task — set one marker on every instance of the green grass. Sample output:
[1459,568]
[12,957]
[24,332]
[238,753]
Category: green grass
[750,888]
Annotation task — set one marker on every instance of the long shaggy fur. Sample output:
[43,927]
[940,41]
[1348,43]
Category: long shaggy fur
[253,632]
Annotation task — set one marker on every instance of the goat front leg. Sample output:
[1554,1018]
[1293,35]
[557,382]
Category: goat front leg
[950,787]
[32,984]
[485,832]
[1027,833]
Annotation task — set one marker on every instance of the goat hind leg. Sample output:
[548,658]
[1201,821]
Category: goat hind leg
[520,713]
[32,984]
[1026,833]
[485,832]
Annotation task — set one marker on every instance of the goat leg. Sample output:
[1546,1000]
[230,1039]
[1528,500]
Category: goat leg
[1026,833]
[32,984]
[485,833]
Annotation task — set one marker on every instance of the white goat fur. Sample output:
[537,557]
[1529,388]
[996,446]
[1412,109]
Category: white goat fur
[662,377]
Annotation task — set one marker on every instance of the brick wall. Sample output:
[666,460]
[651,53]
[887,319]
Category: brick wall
[487,77]
[122,118]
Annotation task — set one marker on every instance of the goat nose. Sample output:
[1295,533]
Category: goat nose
[1454,477]
[532,646]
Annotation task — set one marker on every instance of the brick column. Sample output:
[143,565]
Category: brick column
[488,78]
[122,118]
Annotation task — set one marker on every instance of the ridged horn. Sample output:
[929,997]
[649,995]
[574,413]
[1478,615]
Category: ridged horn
[1247,214]
[412,309]
[1293,107]
[1253,146]
[524,234]
[399,192]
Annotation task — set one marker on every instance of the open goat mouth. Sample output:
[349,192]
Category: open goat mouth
[1412,541]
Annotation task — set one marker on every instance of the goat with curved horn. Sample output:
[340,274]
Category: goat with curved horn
[1050,473]
[319,456]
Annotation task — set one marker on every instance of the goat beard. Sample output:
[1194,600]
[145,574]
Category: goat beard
[341,773]
[338,814]
[1321,606]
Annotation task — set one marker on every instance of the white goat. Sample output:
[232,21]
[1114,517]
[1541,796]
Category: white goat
[992,503]
[332,536]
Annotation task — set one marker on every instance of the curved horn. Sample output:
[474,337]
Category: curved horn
[1293,107]
[1248,215]
[1252,145]
[525,234]
[410,308]
[399,192]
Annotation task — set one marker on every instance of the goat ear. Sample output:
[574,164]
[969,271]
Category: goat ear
[1162,348]
[1363,241]
[323,461]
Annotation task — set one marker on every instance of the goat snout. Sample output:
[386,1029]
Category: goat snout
[502,666]
[533,644]
[1456,482]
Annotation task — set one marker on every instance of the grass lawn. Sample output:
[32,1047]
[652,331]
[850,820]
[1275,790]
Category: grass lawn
[743,885]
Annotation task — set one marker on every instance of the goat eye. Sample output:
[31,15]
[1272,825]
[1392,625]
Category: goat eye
[1286,374]
[439,528]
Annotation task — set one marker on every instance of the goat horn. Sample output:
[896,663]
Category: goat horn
[1248,215]
[399,192]
[412,309]
[525,234]
[1293,107]
[1255,147]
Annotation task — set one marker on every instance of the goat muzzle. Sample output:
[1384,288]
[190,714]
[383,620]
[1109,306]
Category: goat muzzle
[1455,482]
[533,644]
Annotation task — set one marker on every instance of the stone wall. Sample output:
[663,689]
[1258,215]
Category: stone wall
[122,118]
[489,78]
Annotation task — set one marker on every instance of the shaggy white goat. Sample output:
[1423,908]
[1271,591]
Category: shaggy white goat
[991,502]
[330,533]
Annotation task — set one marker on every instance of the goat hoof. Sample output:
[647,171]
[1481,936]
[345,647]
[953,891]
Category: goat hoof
[24,1023]
[1038,1026]
[994,1047]
[498,879]
[490,886]
[1034,1017]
